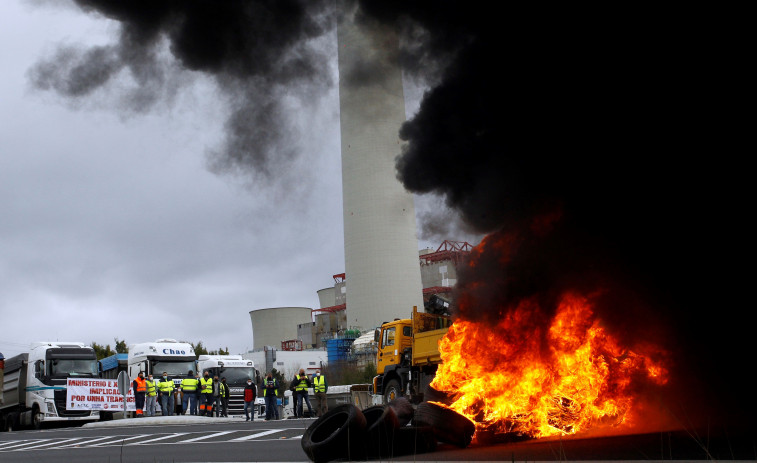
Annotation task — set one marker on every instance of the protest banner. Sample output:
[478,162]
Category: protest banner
[96,394]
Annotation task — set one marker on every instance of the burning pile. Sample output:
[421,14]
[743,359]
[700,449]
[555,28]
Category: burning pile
[539,373]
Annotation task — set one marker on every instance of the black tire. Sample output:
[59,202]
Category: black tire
[448,425]
[412,440]
[338,434]
[431,394]
[403,409]
[36,418]
[11,422]
[381,423]
[392,391]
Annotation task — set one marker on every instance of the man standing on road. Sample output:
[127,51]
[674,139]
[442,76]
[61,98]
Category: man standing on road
[303,384]
[189,394]
[270,392]
[151,396]
[250,394]
[320,387]
[206,400]
[216,396]
[166,388]
[224,390]
[139,387]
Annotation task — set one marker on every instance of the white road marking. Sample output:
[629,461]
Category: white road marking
[207,436]
[253,436]
[159,438]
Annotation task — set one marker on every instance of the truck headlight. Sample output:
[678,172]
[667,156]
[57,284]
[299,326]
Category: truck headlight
[50,408]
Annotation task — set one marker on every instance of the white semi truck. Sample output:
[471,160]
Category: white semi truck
[34,384]
[163,355]
[236,370]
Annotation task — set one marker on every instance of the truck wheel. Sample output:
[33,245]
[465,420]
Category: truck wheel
[338,434]
[392,391]
[381,423]
[448,425]
[36,418]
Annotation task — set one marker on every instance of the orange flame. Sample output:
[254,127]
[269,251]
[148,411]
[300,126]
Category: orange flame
[570,375]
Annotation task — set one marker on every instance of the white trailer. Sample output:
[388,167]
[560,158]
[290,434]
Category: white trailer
[236,370]
[34,384]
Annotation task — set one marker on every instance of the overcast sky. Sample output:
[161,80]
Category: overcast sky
[113,226]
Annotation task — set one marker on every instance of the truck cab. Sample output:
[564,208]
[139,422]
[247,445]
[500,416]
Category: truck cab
[408,354]
[35,384]
[236,370]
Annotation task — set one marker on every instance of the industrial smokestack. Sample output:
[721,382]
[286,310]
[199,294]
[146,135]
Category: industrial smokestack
[380,241]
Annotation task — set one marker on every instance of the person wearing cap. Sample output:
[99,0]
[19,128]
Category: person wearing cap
[150,396]
[189,394]
[250,394]
[166,388]
[320,387]
[301,389]
[271,392]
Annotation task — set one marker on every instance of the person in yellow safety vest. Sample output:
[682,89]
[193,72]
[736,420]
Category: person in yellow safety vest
[166,387]
[140,389]
[189,394]
[320,387]
[206,399]
[270,393]
[301,389]
[152,394]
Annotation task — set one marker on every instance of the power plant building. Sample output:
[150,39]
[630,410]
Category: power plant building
[271,326]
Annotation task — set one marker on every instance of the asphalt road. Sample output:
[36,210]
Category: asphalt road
[164,440]
[197,439]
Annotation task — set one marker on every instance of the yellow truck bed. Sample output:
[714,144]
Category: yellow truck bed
[428,329]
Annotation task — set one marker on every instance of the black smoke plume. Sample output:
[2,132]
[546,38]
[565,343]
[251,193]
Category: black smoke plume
[258,52]
[615,128]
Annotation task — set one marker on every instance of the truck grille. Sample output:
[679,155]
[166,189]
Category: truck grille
[60,406]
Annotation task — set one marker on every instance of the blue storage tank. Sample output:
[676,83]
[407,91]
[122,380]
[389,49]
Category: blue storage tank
[338,349]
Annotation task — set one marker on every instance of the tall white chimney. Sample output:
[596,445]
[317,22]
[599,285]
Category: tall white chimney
[380,243]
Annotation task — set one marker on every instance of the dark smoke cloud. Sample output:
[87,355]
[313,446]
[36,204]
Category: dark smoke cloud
[258,52]
[617,122]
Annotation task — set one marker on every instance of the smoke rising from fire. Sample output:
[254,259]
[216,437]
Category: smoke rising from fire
[579,139]
[259,53]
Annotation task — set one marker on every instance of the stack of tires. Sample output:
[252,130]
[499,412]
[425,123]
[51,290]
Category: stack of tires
[384,432]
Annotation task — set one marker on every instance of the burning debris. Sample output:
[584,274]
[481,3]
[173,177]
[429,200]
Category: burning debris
[565,377]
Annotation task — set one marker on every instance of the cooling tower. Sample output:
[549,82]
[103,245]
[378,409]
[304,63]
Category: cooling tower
[273,325]
[380,242]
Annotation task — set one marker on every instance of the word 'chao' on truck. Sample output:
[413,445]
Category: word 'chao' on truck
[34,384]
[236,370]
[408,354]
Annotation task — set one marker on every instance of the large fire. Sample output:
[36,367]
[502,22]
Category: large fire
[568,376]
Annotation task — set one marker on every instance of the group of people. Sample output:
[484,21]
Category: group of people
[211,394]
[207,395]
[300,385]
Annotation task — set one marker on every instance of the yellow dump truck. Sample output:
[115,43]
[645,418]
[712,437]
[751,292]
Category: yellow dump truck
[408,354]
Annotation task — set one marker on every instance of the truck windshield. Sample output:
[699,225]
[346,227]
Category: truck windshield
[173,368]
[237,375]
[73,367]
